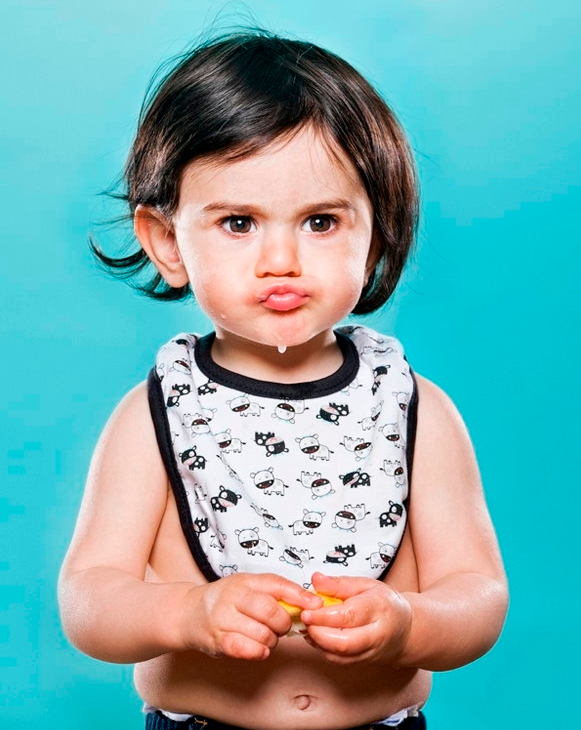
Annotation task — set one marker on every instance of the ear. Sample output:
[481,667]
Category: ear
[156,235]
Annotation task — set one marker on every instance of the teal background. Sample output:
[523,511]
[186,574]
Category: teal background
[489,93]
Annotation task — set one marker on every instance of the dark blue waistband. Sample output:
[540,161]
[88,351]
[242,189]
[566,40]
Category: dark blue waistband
[157,721]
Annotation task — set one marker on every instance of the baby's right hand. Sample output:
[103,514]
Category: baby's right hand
[239,616]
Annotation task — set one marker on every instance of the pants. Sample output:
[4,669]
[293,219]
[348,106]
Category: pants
[157,721]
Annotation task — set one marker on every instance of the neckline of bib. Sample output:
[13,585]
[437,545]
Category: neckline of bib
[341,378]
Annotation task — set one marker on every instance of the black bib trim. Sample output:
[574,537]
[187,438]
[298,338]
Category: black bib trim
[333,383]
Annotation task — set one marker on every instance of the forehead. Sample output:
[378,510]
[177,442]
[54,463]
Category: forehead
[298,167]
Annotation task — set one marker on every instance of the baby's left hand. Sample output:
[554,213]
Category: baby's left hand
[372,624]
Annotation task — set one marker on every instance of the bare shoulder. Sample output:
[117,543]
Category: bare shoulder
[125,494]
[437,408]
[449,520]
[442,439]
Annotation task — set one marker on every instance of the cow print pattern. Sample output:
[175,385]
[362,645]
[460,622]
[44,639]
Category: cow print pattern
[293,486]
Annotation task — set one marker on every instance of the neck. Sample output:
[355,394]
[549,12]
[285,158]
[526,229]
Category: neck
[312,360]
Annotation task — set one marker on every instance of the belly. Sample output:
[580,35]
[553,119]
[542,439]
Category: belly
[294,689]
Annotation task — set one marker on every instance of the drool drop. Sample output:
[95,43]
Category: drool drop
[282,349]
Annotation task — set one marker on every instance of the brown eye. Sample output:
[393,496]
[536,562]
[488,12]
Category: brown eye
[320,223]
[238,224]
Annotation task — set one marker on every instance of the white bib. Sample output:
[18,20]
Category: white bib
[272,477]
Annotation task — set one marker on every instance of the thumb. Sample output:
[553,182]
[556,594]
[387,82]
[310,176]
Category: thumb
[340,587]
[327,585]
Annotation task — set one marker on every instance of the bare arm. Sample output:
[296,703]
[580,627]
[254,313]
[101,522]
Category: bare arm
[108,610]
[459,610]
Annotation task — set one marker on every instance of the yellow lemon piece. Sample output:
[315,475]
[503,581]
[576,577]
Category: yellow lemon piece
[292,611]
[297,626]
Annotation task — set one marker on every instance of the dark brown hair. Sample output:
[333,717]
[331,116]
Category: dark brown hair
[234,95]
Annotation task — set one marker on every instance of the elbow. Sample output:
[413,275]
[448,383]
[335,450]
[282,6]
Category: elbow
[75,618]
[80,619]
[497,610]
[493,612]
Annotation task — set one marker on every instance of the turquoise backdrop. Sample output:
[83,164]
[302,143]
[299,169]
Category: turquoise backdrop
[489,93]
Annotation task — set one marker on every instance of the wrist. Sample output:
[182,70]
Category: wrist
[402,637]
[179,619]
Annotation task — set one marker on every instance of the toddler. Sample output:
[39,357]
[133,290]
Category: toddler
[268,464]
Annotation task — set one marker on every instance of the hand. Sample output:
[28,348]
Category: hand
[239,616]
[373,622]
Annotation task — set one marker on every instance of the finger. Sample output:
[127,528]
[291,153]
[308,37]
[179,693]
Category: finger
[268,611]
[239,646]
[341,587]
[253,630]
[294,594]
[283,589]
[359,610]
[336,616]
[342,643]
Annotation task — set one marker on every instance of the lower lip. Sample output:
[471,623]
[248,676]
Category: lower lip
[284,302]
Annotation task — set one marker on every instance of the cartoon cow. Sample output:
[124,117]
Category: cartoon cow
[197,423]
[378,374]
[403,399]
[340,554]
[273,444]
[318,485]
[267,482]
[200,525]
[347,518]
[310,445]
[392,516]
[286,411]
[358,446]
[369,422]
[269,520]
[392,434]
[292,556]
[225,499]
[333,412]
[244,406]
[356,478]
[226,570]
[308,522]
[181,366]
[192,459]
[227,443]
[208,388]
[383,557]
[251,541]
[177,391]
[394,469]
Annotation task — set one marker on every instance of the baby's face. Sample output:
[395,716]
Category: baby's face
[277,245]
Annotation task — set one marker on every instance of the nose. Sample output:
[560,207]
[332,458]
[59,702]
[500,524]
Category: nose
[278,255]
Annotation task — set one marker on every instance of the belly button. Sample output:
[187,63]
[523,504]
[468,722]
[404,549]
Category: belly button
[303,701]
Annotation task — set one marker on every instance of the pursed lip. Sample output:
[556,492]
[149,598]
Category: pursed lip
[282,297]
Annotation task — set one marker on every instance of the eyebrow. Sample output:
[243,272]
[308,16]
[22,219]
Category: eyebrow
[225,206]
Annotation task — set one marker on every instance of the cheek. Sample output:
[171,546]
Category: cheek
[355,274]
[212,296]
[203,275]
